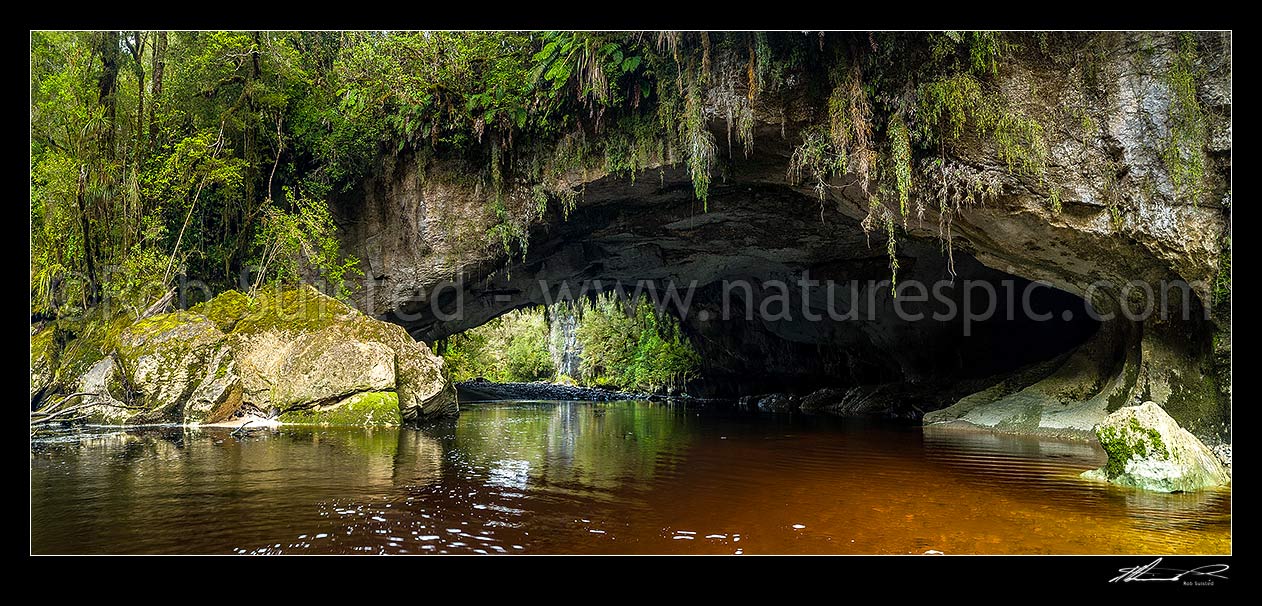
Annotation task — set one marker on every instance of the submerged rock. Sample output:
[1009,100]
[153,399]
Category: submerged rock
[296,354]
[822,399]
[771,402]
[1147,449]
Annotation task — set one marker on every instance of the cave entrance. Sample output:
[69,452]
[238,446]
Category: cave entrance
[776,293]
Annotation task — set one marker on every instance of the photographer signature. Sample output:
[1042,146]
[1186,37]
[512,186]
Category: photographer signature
[1150,572]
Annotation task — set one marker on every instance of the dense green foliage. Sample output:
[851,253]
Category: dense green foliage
[511,347]
[158,154]
[638,348]
[210,154]
[624,346]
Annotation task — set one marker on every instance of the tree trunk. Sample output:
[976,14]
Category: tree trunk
[88,255]
[107,83]
[136,45]
[159,65]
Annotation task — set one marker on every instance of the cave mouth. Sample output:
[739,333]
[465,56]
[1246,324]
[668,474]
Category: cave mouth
[934,336]
[777,293]
[937,343]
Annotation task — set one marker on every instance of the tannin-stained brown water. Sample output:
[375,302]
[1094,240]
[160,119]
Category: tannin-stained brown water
[623,477]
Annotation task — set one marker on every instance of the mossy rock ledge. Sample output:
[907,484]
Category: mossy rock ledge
[295,355]
[1147,449]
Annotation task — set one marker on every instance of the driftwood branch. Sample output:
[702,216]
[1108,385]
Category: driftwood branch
[47,417]
[158,306]
[241,429]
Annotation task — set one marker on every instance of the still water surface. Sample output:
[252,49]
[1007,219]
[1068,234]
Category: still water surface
[624,477]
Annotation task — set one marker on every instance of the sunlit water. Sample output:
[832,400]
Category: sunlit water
[627,477]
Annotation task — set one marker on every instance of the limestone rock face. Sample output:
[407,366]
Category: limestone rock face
[101,383]
[42,363]
[1147,449]
[1120,218]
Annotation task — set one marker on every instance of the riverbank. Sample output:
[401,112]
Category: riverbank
[483,390]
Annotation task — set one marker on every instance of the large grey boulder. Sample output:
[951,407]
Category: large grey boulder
[1147,449]
[295,355]
[299,349]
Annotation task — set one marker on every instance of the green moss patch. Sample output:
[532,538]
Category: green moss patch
[367,409]
[299,309]
[42,348]
[1131,441]
[162,325]
[225,310]
[90,339]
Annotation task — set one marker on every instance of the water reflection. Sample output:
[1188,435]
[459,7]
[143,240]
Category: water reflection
[628,477]
[592,448]
[418,459]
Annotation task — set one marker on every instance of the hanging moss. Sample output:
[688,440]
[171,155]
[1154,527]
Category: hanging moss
[698,143]
[1222,282]
[1184,151]
[818,160]
[900,160]
[891,249]
[951,106]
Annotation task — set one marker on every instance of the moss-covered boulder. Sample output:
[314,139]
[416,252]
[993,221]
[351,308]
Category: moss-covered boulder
[284,371]
[1147,449]
[298,349]
[296,354]
[365,409]
[178,366]
[88,340]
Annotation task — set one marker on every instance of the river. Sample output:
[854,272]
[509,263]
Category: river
[582,477]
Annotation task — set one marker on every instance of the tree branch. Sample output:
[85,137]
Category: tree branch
[49,417]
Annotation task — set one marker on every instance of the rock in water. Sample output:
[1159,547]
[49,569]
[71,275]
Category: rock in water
[777,402]
[295,354]
[301,350]
[1147,449]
